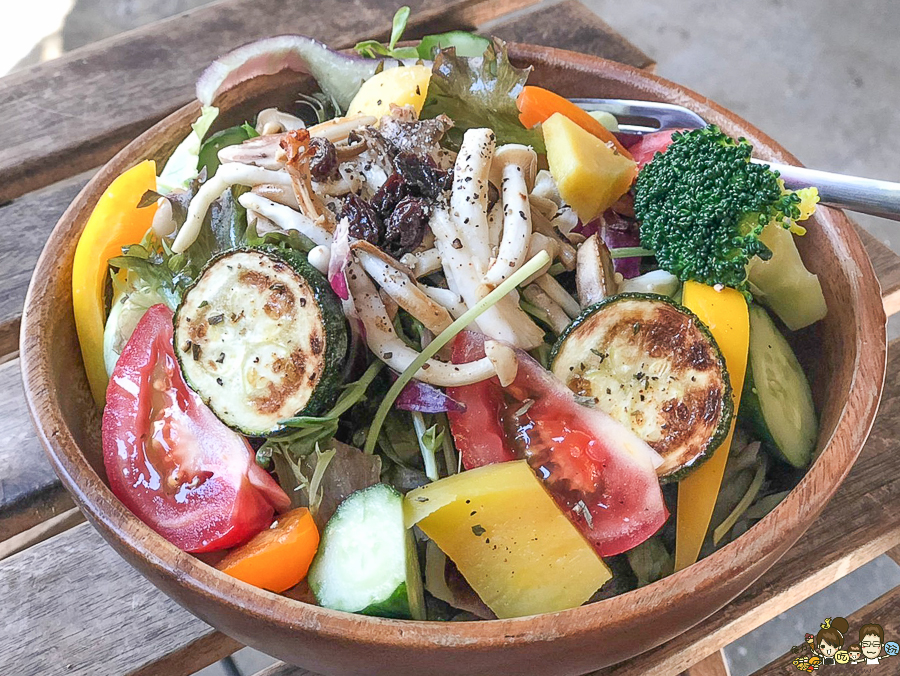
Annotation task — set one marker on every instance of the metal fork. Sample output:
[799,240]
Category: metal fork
[865,195]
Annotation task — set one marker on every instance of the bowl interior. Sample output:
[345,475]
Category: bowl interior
[843,354]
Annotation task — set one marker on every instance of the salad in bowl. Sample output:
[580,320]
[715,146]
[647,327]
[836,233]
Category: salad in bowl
[436,343]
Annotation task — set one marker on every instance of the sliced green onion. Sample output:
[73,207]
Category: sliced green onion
[448,334]
[427,453]
[630,252]
[752,491]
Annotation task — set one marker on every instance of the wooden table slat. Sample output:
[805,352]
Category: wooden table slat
[713,665]
[30,491]
[887,269]
[26,223]
[571,25]
[86,611]
[885,610]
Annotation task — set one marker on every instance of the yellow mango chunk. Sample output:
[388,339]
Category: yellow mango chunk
[402,86]
[508,538]
[590,175]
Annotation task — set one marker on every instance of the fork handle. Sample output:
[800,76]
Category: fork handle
[865,195]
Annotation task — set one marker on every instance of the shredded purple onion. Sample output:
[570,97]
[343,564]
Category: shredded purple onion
[422,397]
[618,231]
[340,255]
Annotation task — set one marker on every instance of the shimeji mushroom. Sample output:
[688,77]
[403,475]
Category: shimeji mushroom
[274,121]
[559,295]
[384,342]
[228,175]
[462,239]
[285,217]
[399,284]
[595,276]
[555,315]
[423,262]
[513,168]
[262,151]
[296,145]
[277,193]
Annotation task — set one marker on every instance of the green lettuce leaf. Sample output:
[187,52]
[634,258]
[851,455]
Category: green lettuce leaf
[480,92]
[182,166]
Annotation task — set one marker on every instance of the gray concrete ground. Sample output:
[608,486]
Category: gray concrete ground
[817,75]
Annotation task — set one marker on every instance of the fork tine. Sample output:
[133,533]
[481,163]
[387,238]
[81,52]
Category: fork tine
[641,117]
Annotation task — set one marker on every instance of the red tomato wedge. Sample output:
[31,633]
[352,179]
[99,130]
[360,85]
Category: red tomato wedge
[649,144]
[477,431]
[596,469]
[170,460]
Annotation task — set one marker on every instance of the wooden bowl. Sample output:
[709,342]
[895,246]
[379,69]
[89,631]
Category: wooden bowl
[845,355]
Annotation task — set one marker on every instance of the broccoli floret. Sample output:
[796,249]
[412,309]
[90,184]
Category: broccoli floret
[702,206]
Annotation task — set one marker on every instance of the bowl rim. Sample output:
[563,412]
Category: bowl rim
[119,526]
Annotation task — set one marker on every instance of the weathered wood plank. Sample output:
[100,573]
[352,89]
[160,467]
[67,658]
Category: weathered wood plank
[68,115]
[73,606]
[714,665]
[30,491]
[885,610]
[282,669]
[43,531]
[25,224]
[570,25]
[887,269]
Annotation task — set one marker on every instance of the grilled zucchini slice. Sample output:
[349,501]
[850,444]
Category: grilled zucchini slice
[652,365]
[261,337]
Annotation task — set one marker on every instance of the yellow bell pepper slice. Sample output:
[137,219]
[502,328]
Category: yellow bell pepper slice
[726,314]
[115,222]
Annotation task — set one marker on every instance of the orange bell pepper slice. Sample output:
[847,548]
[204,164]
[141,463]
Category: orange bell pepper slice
[279,557]
[115,222]
[537,104]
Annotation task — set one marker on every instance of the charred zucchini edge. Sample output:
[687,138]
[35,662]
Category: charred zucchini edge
[728,411]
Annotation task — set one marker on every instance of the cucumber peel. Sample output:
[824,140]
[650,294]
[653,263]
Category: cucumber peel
[367,561]
[777,400]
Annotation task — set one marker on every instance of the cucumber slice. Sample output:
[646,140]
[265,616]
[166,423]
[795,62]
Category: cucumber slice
[777,400]
[466,44]
[654,366]
[367,560]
